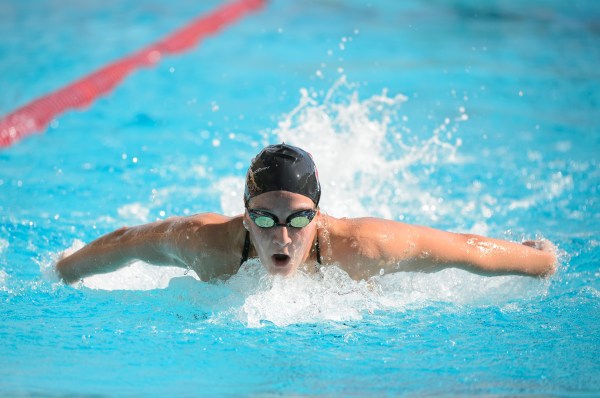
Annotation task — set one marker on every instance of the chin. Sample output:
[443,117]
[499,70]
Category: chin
[279,264]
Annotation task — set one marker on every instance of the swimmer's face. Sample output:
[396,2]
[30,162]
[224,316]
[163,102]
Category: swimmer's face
[282,250]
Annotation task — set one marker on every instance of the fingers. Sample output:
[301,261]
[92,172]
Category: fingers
[541,244]
[530,243]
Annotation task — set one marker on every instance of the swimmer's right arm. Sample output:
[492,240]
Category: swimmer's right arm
[152,243]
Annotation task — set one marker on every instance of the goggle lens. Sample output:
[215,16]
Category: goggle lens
[299,219]
[264,222]
[299,222]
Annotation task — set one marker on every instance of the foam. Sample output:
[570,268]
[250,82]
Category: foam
[136,276]
[332,295]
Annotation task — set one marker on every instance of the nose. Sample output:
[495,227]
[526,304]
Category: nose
[281,236]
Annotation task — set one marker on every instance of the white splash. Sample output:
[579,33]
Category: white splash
[332,295]
[136,276]
[48,265]
[364,152]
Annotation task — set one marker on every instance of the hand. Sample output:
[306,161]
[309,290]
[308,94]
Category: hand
[77,244]
[543,245]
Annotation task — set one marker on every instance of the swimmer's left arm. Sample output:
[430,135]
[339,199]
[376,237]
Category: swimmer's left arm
[484,255]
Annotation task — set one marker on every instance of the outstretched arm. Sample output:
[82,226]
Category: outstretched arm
[485,255]
[151,243]
[376,245]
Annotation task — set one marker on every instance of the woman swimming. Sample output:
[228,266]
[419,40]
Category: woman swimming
[283,226]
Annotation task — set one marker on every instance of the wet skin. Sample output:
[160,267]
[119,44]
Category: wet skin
[211,245]
[282,249]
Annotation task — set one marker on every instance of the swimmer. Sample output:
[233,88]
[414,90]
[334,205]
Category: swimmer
[283,226]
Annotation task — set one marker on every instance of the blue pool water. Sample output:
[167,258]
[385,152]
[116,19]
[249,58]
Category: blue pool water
[455,114]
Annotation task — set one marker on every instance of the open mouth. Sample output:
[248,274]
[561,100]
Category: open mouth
[281,260]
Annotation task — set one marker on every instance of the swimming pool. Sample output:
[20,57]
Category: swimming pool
[450,114]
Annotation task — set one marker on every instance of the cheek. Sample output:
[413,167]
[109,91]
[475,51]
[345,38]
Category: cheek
[302,238]
[260,238]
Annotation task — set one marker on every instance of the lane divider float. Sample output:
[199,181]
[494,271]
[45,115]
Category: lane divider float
[35,116]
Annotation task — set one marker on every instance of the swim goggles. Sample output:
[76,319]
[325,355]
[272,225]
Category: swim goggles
[299,219]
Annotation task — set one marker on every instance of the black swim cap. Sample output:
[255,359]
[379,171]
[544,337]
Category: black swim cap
[283,167]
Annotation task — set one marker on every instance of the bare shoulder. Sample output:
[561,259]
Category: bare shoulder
[208,243]
[210,229]
[362,246]
[367,233]
[197,221]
